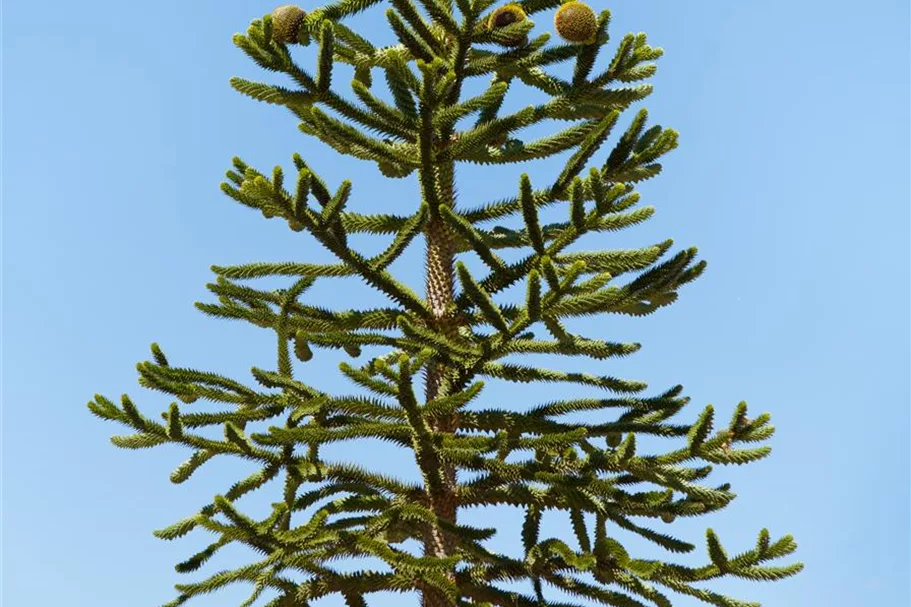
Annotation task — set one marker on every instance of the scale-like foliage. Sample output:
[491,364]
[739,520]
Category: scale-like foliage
[462,329]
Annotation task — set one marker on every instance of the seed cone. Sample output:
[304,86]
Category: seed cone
[577,23]
[286,23]
[505,16]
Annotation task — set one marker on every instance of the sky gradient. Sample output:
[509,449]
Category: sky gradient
[792,178]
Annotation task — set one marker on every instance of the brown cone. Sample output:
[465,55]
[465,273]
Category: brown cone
[505,16]
[286,23]
[576,22]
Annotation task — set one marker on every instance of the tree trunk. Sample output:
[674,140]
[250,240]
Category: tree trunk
[440,279]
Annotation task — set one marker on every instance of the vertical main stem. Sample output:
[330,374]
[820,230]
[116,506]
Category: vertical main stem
[440,277]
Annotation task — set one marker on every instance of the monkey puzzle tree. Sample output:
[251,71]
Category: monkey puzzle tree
[424,391]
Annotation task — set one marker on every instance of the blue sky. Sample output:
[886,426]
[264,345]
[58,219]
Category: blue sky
[792,178]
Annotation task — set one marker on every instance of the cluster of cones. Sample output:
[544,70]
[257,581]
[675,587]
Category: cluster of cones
[575,22]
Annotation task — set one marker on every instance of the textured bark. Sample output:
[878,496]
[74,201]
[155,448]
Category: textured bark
[440,280]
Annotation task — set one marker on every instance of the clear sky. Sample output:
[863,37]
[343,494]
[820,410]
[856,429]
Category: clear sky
[792,178]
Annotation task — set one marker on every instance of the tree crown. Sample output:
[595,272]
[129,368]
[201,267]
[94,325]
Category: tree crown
[422,392]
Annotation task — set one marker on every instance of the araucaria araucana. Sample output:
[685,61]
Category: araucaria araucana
[407,112]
